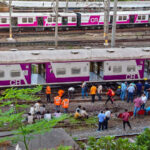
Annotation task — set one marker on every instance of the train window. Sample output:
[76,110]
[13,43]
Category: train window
[131,68]
[24,20]
[109,68]
[1,74]
[49,19]
[60,71]
[117,69]
[3,20]
[73,19]
[75,70]
[143,17]
[30,20]
[15,73]
[124,17]
[54,19]
[120,17]
[139,17]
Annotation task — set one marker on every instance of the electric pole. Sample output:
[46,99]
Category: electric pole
[67,5]
[106,20]
[10,20]
[56,25]
[114,24]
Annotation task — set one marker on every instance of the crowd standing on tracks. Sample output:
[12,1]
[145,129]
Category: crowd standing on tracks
[137,94]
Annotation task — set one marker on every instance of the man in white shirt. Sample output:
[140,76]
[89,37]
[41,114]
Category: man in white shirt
[32,110]
[108,115]
[37,107]
[99,92]
[71,91]
[47,116]
[144,100]
[30,118]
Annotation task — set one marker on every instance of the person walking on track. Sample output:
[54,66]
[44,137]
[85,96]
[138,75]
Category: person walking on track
[109,94]
[125,119]
[48,93]
[93,92]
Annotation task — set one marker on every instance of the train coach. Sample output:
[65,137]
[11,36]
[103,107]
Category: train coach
[32,67]
[66,21]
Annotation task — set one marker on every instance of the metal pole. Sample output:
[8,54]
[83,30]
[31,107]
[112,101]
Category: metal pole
[56,26]
[114,24]
[106,20]
[66,5]
[10,22]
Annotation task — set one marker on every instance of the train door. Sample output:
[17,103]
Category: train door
[149,18]
[78,19]
[38,75]
[147,69]
[132,17]
[96,71]
[64,20]
[111,19]
[40,21]
[14,21]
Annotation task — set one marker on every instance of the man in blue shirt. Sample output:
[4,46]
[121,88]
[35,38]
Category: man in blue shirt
[139,88]
[146,87]
[130,90]
[101,118]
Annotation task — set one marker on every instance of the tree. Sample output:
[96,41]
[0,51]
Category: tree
[13,117]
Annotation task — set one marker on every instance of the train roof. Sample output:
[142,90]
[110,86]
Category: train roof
[34,14]
[46,4]
[41,56]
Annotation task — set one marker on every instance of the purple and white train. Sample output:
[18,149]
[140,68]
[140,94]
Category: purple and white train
[73,20]
[34,67]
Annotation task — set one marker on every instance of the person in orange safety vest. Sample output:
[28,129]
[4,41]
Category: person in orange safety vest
[57,102]
[61,93]
[93,92]
[48,93]
[65,104]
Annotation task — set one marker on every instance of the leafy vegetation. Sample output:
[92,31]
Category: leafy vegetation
[142,142]
[13,117]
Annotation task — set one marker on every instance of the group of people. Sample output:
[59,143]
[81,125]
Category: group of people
[93,91]
[60,99]
[81,113]
[38,111]
[103,118]
[134,89]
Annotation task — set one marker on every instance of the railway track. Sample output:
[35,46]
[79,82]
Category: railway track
[70,32]
[72,43]
[132,135]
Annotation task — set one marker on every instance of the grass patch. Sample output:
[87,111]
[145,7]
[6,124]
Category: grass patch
[92,120]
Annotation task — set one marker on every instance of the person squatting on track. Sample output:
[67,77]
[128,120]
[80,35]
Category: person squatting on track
[125,119]
[71,91]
